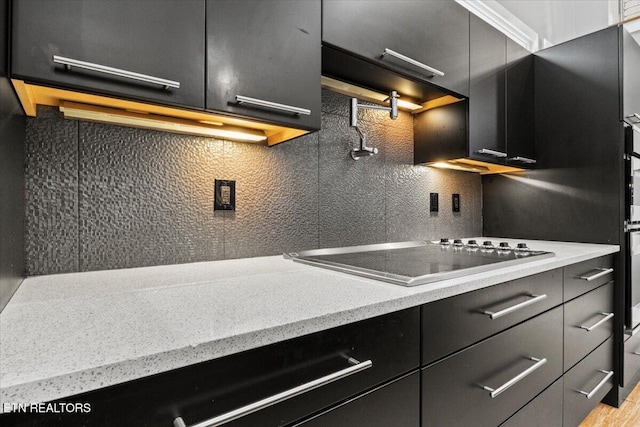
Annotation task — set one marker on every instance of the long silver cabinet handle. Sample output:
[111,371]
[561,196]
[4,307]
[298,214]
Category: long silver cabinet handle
[590,394]
[273,105]
[493,153]
[280,397]
[523,160]
[497,391]
[634,116]
[606,317]
[412,61]
[69,63]
[497,314]
[601,272]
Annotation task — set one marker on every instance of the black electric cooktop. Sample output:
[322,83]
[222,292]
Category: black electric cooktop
[420,262]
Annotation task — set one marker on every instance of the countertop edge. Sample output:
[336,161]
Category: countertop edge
[74,383]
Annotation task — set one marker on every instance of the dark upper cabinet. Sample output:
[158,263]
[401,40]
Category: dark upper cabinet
[155,38]
[433,33]
[519,108]
[630,80]
[4,24]
[487,126]
[268,51]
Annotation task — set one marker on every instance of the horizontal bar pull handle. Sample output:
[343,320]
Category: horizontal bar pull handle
[280,397]
[606,317]
[635,117]
[523,160]
[69,63]
[591,393]
[433,71]
[497,314]
[493,153]
[272,105]
[497,391]
[601,272]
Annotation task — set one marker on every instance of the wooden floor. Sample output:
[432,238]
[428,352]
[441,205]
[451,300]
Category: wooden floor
[627,415]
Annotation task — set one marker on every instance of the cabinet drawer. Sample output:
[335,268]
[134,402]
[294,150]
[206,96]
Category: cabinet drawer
[162,39]
[442,336]
[543,411]
[587,383]
[200,392]
[588,321]
[631,360]
[453,390]
[585,276]
[396,404]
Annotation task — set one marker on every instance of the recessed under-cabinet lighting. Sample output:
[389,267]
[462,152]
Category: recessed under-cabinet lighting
[99,114]
[469,165]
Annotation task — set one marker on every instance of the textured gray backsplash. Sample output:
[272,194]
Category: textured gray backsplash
[102,197]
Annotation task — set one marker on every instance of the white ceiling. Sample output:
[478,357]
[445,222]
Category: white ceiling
[537,24]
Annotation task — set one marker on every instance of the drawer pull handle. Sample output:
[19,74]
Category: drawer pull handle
[633,118]
[523,160]
[68,63]
[590,394]
[497,314]
[493,153]
[272,105]
[497,391]
[637,353]
[433,71]
[601,272]
[606,317]
[280,397]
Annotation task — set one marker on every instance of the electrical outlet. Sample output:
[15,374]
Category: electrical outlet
[224,198]
[455,202]
[433,202]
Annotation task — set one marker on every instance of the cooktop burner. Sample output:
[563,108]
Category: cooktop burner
[420,262]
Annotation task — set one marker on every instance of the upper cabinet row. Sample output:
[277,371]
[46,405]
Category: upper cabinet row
[256,59]
[261,60]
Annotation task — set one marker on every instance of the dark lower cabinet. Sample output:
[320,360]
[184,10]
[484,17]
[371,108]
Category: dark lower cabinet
[543,411]
[631,373]
[396,404]
[158,39]
[587,383]
[470,387]
[479,314]
[206,390]
[585,276]
[588,321]
[268,53]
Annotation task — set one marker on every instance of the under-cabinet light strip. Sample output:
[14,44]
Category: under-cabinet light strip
[152,121]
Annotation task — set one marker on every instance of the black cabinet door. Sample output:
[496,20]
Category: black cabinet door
[592,376]
[487,93]
[453,390]
[269,51]
[519,109]
[4,24]
[434,33]
[396,404]
[205,390]
[155,38]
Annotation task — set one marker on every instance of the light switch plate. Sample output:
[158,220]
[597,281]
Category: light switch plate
[224,195]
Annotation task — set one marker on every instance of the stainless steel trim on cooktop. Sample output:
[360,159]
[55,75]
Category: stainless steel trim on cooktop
[310,258]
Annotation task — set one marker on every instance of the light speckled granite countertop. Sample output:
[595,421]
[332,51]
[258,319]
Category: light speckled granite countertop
[65,334]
